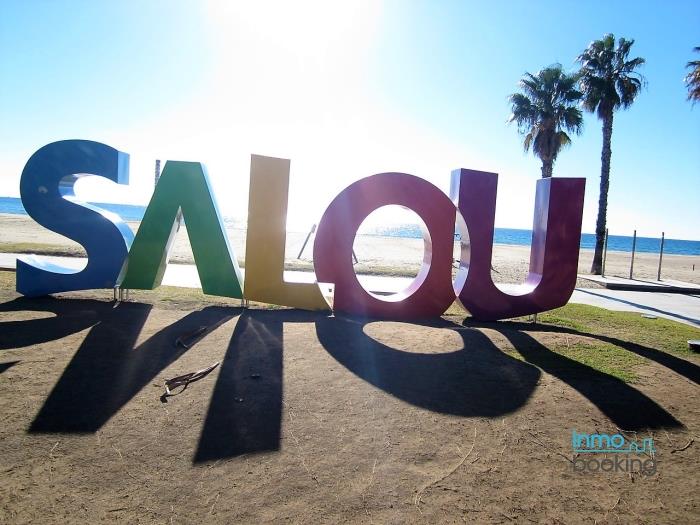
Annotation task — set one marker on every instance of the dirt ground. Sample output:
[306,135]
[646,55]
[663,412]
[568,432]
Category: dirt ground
[319,419]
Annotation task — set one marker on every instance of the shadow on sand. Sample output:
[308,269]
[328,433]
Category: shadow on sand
[7,366]
[479,380]
[69,317]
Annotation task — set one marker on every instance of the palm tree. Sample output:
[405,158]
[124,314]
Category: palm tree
[692,80]
[545,108]
[609,81]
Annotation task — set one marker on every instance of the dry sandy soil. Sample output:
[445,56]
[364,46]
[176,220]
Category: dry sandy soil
[318,419]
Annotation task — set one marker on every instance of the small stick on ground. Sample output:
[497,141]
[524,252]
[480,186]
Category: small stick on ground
[184,381]
[548,448]
[118,509]
[612,508]
[616,504]
[298,444]
[419,494]
[683,447]
[211,510]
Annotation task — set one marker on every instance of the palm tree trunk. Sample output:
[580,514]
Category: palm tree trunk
[597,266]
[547,168]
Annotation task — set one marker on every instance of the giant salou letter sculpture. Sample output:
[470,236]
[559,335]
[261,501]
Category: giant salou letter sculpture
[116,258]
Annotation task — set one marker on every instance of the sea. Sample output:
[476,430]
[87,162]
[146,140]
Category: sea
[620,243]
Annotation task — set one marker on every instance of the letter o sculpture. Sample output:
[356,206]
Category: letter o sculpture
[431,292]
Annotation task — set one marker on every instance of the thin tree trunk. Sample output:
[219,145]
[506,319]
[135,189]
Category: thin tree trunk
[547,167]
[597,266]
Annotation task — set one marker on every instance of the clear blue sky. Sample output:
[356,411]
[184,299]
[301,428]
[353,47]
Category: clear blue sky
[346,90]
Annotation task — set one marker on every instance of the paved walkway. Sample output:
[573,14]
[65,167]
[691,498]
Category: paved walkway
[642,285]
[678,307]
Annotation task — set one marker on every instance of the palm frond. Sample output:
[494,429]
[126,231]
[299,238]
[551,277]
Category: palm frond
[545,106]
[563,139]
[692,79]
[608,79]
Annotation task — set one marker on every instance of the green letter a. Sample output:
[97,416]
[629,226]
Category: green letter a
[183,190]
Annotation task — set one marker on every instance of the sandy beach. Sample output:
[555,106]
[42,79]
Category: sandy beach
[376,254]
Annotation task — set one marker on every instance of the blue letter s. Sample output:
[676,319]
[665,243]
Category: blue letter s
[47,194]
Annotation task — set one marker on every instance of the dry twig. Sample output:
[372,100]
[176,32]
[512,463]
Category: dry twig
[53,448]
[548,448]
[184,381]
[419,494]
[690,442]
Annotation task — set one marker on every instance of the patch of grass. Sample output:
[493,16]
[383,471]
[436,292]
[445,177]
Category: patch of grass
[660,334]
[604,357]
[565,321]
[177,298]
[608,341]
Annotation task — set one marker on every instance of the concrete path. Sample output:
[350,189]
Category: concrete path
[642,285]
[684,308]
